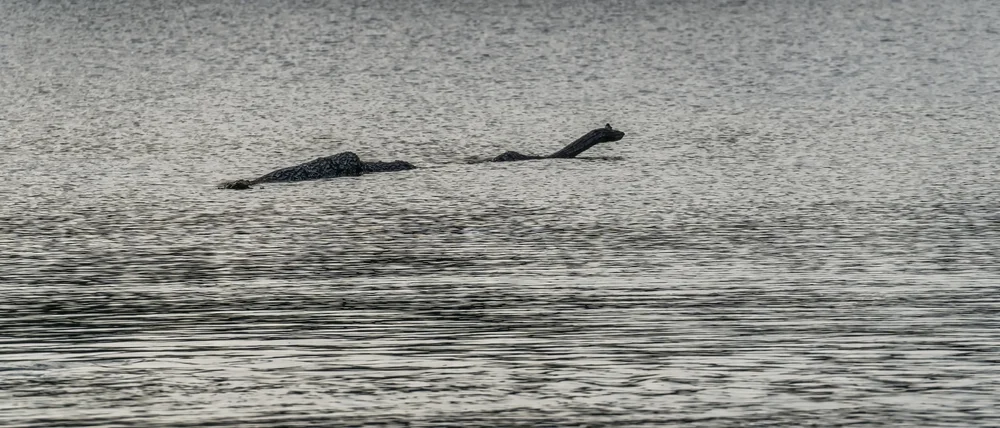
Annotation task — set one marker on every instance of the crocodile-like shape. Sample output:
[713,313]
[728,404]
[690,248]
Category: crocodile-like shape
[346,164]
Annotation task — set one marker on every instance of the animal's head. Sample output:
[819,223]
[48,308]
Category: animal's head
[608,134]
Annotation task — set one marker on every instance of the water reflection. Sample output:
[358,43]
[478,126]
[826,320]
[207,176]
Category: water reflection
[502,313]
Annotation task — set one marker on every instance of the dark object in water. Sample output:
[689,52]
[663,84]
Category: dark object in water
[600,135]
[346,164]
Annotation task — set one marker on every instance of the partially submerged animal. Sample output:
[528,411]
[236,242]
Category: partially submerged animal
[348,164]
[592,138]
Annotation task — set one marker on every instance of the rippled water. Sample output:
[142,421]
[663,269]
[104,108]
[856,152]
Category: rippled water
[800,227]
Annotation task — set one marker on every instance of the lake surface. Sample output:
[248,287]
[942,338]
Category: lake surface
[801,226]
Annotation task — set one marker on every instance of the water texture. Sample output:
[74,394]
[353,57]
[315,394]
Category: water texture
[801,226]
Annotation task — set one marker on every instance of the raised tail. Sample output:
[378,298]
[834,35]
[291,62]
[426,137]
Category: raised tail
[592,138]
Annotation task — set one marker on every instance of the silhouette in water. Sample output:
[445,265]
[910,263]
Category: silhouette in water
[600,135]
[348,164]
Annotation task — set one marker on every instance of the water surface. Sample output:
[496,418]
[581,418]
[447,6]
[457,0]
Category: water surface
[801,224]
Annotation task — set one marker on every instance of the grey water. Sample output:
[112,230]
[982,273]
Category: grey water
[801,226]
